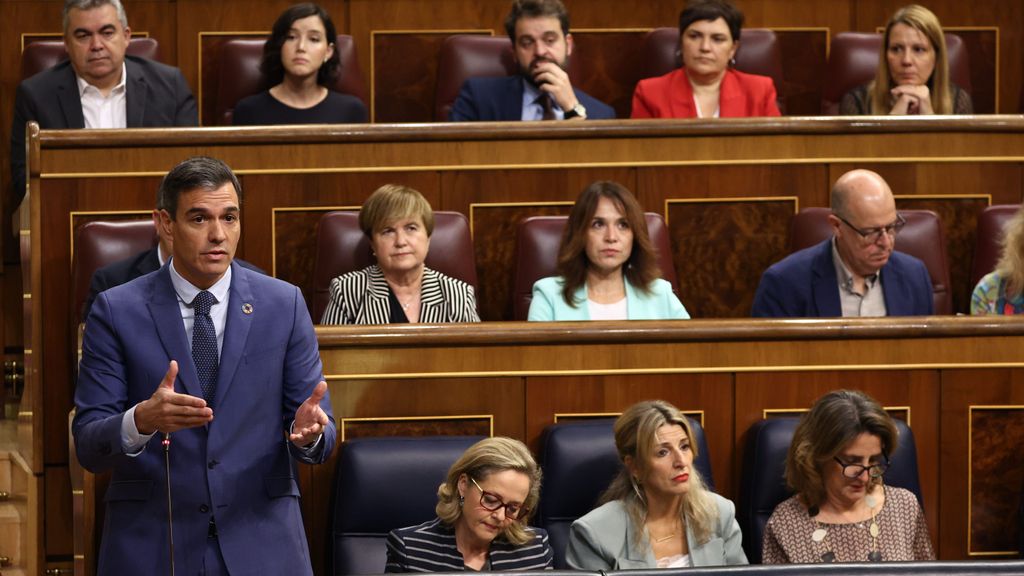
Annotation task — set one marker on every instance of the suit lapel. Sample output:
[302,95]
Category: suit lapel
[681,96]
[69,100]
[511,99]
[431,298]
[730,97]
[236,329]
[166,313]
[375,308]
[895,291]
[824,284]
[138,94]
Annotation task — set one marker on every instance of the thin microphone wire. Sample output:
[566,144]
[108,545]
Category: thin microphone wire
[170,520]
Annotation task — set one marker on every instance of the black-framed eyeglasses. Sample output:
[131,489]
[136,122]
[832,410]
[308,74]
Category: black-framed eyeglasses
[855,470]
[492,503]
[873,235]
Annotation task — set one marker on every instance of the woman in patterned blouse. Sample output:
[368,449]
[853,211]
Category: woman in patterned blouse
[1002,291]
[842,511]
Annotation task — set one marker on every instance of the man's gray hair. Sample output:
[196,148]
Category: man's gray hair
[70,5]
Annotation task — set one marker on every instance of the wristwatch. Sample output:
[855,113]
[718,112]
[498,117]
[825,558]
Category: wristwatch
[576,111]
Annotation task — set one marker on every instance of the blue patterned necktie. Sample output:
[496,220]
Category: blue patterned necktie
[204,345]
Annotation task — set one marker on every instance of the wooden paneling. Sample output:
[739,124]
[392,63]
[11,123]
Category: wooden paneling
[996,475]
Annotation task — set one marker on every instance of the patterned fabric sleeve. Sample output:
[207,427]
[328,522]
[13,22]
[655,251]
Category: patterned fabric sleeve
[986,295]
[922,541]
[771,549]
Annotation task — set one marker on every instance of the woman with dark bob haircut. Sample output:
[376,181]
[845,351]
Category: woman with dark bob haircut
[607,266]
[300,63]
[706,86]
[483,511]
[842,511]
[657,513]
[913,71]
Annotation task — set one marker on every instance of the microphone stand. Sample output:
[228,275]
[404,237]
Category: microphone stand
[170,520]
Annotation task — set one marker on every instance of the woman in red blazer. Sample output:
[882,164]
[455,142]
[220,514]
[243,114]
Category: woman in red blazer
[705,87]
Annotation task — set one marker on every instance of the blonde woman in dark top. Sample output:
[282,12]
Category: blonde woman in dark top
[842,511]
[299,62]
[913,71]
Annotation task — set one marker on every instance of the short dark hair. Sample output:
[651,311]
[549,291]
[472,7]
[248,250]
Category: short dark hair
[536,9]
[271,66]
[198,172]
[640,270]
[712,10]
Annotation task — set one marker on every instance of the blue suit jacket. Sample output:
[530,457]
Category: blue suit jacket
[238,468]
[548,304]
[501,98]
[804,285]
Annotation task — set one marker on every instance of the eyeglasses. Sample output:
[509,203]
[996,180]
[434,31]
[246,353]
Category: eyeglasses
[873,235]
[855,470]
[492,503]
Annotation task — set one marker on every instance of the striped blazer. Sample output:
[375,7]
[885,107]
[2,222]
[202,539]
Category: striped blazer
[430,547]
[361,297]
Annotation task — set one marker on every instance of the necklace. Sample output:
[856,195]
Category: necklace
[820,533]
[664,538]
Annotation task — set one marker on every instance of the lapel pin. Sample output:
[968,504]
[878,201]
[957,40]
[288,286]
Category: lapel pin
[246,308]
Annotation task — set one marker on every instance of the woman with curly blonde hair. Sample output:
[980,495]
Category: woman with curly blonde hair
[483,509]
[1002,291]
[657,512]
[842,511]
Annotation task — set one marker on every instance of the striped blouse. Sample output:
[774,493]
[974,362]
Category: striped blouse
[430,547]
[361,297]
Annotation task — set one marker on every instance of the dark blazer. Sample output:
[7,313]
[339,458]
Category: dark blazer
[127,270]
[671,96]
[239,468]
[361,297]
[156,96]
[804,285]
[430,547]
[501,98]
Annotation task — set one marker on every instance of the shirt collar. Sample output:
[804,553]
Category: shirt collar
[187,292]
[84,86]
[843,273]
[531,93]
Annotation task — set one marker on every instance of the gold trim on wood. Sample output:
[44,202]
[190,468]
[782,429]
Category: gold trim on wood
[595,415]
[60,36]
[199,58]
[765,412]
[736,199]
[427,31]
[488,417]
[273,226]
[474,205]
[970,475]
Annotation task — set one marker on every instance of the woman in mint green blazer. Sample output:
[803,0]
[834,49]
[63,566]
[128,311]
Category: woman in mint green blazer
[607,266]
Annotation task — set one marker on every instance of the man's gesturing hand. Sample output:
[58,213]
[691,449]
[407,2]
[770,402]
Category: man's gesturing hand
[168,411]
[310,419]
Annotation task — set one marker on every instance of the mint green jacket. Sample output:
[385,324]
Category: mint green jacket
[548,304]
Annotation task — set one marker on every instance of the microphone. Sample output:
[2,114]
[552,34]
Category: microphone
[170,520]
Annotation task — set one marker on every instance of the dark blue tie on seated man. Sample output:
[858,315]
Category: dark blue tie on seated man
[542,45]
[856,272]
[98,86]
[222,359]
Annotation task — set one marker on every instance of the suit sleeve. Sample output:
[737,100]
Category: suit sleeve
[468,312]
[768,300]
[640,107]
[335,311]
[542,308]
[676,308]
[186,113]
[583,551]
[97,284]
[302,372]
[730,533]
[928,305]
[23,113]
[770,103]
[101,394]
[465,107]
[396,562]
[772,551]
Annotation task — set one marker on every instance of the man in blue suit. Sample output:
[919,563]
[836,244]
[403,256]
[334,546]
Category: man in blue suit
[542,45]
[222,362]
[857,272]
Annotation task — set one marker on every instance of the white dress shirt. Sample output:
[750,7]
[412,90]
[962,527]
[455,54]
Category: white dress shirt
[101,111]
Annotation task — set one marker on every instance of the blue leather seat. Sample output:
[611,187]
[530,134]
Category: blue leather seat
[383,484]
[763,484]
[579,462]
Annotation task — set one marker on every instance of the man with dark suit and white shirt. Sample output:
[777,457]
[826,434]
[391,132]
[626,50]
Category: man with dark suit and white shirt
[98,86]
[542,45]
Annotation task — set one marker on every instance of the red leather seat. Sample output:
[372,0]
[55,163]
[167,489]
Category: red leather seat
[238,70]
[100,243]
[988,239]
[342,247]
[43,54]
[537,241]
[758,53]
[922,238]
[853,60]
[466,56]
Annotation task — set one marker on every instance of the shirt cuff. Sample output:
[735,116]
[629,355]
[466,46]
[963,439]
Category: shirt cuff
[132,442]
[308,449]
